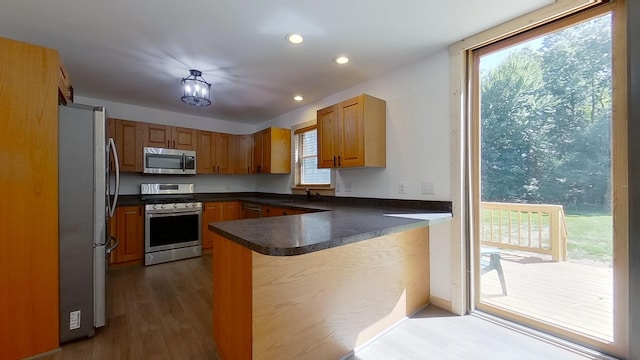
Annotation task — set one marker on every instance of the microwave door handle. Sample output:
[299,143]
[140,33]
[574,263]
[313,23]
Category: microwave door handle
[112,145]
[184,162]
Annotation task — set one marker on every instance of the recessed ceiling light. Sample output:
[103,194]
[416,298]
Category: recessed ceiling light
[294,38]
[298,98]
[342,60]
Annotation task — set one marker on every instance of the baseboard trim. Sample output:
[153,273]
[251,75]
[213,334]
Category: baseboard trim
[440,302]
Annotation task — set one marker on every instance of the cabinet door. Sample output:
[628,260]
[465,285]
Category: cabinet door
[232,211]
[154,135]
[128,145]
[224,153]
[256,165]
[184,138]
[243,152]
[211,212]
[279,151]
[266,150]
[205,152]
[130,233]
[328,137]
[351,134]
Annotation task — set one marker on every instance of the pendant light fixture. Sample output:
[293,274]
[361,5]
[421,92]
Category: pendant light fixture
[197,91]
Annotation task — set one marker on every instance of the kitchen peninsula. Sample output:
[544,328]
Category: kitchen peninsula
[317,285]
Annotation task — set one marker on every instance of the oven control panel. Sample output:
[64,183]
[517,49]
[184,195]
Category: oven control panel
[173,207]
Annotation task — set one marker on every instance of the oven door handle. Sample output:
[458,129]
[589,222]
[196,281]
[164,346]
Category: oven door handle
[168,214]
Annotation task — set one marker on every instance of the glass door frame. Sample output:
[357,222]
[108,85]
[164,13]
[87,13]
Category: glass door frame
[619,176]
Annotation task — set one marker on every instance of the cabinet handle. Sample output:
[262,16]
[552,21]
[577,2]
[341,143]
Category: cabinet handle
[218,169]
[168,144]
[334,160]
[339,161]
[174,144]
[248,170]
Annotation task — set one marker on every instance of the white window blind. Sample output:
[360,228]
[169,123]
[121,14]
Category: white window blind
[307,160]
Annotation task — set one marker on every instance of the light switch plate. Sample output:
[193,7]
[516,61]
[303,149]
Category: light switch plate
[427,187]
[402,187]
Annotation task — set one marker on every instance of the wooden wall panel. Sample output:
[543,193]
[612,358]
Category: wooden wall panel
[324,304]
[29,183]
[231,299]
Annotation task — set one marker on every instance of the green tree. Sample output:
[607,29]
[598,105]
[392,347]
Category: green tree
[546,118]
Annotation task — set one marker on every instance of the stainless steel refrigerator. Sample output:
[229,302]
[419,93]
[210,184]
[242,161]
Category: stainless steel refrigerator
[85,206]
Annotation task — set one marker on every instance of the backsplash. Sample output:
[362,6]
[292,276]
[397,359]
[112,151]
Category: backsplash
[130,182]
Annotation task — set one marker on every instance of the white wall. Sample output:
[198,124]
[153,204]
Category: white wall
[418,148]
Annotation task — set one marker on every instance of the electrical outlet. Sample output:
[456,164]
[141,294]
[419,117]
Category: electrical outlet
[402,187]
[74,320]
[348,186]
[427,187]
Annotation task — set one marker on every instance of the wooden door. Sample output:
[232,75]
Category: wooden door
[211,212]
[224,153]
[327,137]
[154,135]
[130,233]
[205,160]
[351,134]
[128,145]
[184,138]
[232,211]
[256,165]
[243,152]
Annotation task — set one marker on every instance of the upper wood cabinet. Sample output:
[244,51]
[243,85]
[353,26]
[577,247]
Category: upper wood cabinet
[170,137]
[65,90]
[29,182]
[126,135]
[215,153]
[352,133]
[243,153]
[272,151]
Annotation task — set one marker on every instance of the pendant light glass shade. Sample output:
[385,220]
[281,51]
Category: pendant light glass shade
[197,92]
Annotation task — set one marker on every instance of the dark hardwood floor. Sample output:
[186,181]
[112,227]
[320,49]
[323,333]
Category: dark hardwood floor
[155,312]
[164,312]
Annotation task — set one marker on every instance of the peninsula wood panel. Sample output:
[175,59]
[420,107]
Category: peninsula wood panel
[29,182]
[231,299]
[324,304]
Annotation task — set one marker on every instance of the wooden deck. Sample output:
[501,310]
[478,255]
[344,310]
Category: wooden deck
[574,296]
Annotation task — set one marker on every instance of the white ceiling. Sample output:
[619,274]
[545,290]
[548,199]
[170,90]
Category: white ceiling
[136,51]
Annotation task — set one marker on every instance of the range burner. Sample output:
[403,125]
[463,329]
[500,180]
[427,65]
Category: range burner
[168,197]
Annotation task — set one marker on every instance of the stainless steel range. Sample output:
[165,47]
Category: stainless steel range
[172,222]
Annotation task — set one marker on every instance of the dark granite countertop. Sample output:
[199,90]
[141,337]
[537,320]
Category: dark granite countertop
[330,222]
[331,225]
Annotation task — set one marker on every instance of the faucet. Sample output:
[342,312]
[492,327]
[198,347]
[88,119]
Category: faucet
[318,196]
[308,194]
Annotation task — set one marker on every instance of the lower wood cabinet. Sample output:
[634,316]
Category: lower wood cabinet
[129,229]
[218,211]
[269,211]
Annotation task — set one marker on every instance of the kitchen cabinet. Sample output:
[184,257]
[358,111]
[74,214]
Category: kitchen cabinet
[65,90]
[169,137]
[270,211]
[129,230]
[272,151]
[243,154]
[217,211]
[29,304]
[126,135]
[352,133]
[215,153]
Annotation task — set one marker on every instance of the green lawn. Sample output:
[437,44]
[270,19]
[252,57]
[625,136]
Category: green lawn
[590,237]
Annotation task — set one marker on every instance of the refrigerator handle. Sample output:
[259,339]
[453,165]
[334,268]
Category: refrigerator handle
[114,245]
[112,145]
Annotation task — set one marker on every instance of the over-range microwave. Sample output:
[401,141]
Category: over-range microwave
[168,161]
